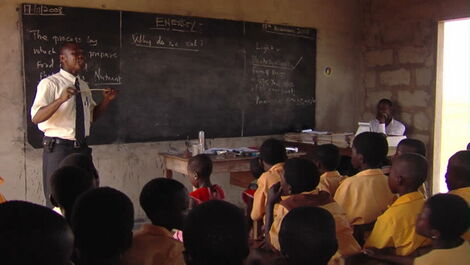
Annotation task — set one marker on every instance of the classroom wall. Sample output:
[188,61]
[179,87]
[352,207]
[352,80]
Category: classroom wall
[128,167]
[399,44]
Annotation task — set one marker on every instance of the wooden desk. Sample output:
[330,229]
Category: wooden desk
[237,166]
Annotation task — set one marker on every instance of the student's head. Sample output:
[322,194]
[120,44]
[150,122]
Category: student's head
[67,183]
[256,167]
[385,107]
[444,216]
[408,173]
[72,58]
[199,169]
[300,175]
[272,151]
[410,146]
[468,146]
[102,221]
[369,150]
[33,234]
[215,233]
[326,157]
[308,236]
[166,202]
[84,162]
[458,170]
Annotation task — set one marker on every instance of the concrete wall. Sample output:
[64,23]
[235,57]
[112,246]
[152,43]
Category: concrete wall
[399,45]
[128,167]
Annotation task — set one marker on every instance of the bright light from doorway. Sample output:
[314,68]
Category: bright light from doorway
[452,130]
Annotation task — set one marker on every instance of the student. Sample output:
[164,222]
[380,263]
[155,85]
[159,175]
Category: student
[308,237]
[67,183]
[298,187]
[215,233]
[2,198]
[326,157]
[384,121]
[256,169]
[272,156]
[33,234]
[166,202]
[102,221]
[458,178]
[199,172]
[84,162]
[395,230]
[443,218]
[410,145]
[365,195]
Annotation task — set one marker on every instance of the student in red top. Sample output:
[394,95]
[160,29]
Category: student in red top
[199,172]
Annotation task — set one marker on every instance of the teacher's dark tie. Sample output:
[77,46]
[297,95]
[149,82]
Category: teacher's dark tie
[79,115]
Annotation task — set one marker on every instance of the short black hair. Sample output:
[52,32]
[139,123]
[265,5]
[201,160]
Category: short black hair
[414,167]
[201,164]
[256,168]
[327,155]
[450,215]
[301,174]
[459,164]
[216,233]
[67,183]
[68,45]
[418,146]
[160,195]
[33,234]
[385,101]
[273,151]
[102,221]
[308,234]
[82,161]
[372,146]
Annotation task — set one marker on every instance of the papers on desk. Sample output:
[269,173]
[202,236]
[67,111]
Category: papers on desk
[243,151]
[341,140]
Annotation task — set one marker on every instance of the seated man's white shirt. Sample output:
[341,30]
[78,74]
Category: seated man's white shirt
[393,128]
[62,123]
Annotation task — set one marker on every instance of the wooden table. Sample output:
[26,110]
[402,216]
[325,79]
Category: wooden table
[237,166]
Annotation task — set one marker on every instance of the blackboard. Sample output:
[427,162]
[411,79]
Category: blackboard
[177,75]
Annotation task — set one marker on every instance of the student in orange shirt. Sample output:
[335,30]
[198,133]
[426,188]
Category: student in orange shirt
[365,195]
[308,236]
[272,156]
[2,198]
[443,218]
[298,189]
[199,172]
[326,157]
[395,230]
[166,202]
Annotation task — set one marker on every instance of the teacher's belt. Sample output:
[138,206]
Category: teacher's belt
[60,141]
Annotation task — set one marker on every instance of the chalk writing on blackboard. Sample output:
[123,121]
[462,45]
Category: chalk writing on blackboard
[164,42]
[41,10]
[178,24]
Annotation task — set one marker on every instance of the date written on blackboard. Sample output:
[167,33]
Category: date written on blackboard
[163,42]
[40,10]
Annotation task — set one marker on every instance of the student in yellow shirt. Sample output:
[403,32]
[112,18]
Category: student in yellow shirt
[365,195]
[298,187]
[308,236]
[394,230]
[443,218]
[272,156]
[458,178]
[326,158]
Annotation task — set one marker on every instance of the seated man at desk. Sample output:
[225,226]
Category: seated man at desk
[384,122]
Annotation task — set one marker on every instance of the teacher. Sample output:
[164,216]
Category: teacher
[64,109]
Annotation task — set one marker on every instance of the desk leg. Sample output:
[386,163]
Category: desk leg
[169,173]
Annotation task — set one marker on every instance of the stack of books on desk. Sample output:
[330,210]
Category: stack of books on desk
[342,140]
